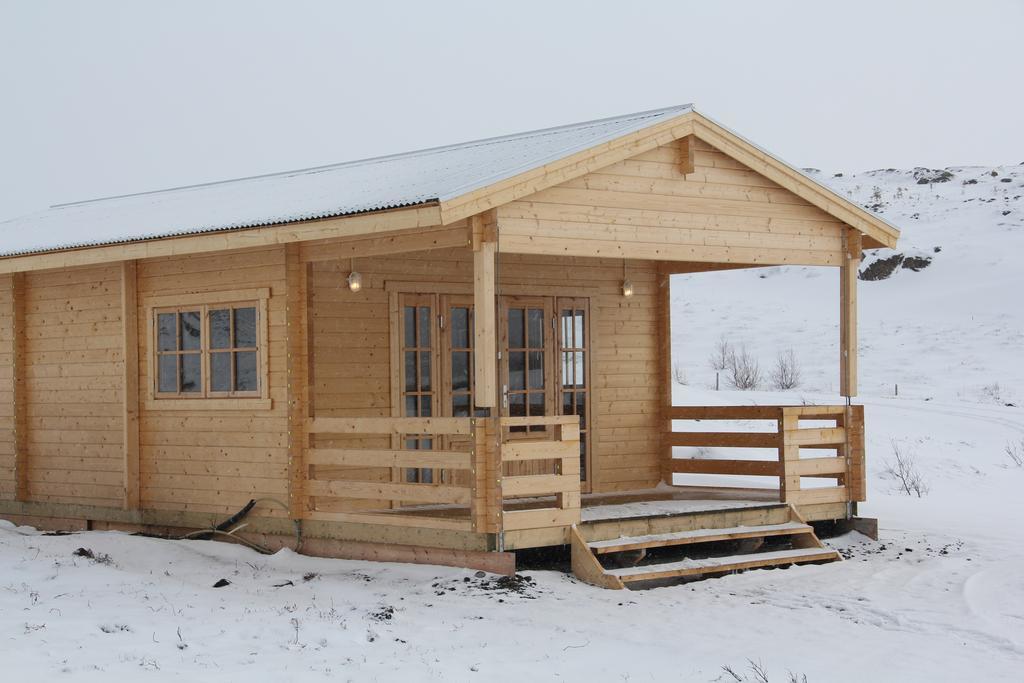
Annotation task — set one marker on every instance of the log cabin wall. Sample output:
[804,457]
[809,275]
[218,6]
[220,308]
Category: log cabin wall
[209,460]
[72,370]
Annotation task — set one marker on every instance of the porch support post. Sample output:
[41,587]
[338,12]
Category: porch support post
[665,372]
[130,349]
[299,377]
[18,339]
[483,232]
[848,313]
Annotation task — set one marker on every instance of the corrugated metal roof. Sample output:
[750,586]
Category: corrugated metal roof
[435,174]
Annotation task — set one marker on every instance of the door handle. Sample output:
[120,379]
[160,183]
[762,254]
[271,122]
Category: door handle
[504,396]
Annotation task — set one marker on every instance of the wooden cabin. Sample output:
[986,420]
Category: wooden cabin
[443,356]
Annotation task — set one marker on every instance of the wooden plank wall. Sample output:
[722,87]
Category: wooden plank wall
[73,372]
[722,212]
[216,460]
[351,345]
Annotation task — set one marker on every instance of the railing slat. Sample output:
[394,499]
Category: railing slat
[390,425]
[724,412]
[381,457]
[422,493]
[765,468]
[539,484]
[519,451]
[725,439]
[830,436]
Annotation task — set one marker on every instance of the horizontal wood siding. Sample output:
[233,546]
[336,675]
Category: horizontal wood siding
[721,212]
[73,379]
[351,342]
[215,460]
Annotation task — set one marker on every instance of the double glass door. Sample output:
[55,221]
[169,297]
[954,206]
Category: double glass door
[544,344]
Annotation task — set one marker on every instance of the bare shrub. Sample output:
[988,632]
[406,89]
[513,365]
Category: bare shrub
[903,470]
[756,673]
[679,375]
[744,370]
[719,359]
[1015,452]
[786,374]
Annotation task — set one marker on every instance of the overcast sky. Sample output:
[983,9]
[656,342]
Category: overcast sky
[102,98]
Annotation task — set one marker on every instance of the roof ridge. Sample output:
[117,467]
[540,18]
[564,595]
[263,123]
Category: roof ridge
[650,113]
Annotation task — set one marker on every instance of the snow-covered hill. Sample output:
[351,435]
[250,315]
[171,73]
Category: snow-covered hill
[951,330]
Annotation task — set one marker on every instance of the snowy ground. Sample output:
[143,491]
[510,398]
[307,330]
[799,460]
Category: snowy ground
[940,597]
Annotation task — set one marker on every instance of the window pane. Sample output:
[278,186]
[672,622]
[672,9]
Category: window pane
[517,370]
[190,330]
[536,325]
[409,323]
[245,371]
[536,369]
[583,457]
[581,408]
[517,405]
[427,476]
[460,405]
[423,337]
[410,371]
[411,409]
[167,338]
[580,342]
[245,328]
[168,373]
[460,370]
[424,370]
[516,339]
[220,372]
[537,403]
[220,329]
[580,369]
[426,406]
[191,376]
[412,476]
[537,408]
[566,328]
[460,327]
[567,368]
[567,405]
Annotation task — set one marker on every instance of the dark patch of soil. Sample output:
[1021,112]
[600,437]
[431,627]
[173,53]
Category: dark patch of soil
[98,558]
[917,263]
[881,269]
[222,583]
[926,176]
[385,613]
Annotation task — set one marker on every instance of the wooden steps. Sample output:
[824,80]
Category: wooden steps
[693,545]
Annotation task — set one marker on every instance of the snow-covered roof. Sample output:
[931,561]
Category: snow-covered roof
[399,180]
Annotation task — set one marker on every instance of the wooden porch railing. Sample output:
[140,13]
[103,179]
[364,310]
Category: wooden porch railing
[561,478]
[845,435]
[477,481]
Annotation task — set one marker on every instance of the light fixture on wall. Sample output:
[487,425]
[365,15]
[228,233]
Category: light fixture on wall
[627,286]
[354,280]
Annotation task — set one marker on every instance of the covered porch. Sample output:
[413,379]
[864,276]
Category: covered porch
[496,478]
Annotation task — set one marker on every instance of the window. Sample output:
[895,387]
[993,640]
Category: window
[574,385]
[417,358]
[209,350]
[457,317]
